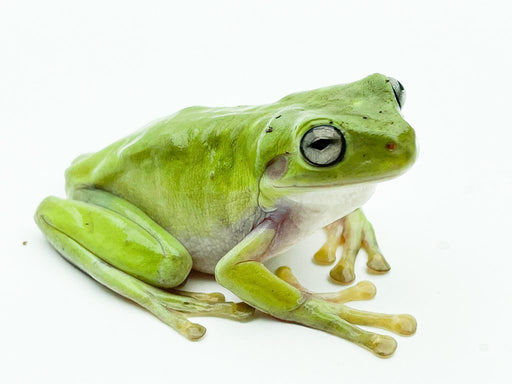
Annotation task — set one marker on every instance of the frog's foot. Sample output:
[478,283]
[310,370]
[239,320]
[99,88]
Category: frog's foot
[326,311]
[197,304]
[204,304]
[353,232]
[173,309]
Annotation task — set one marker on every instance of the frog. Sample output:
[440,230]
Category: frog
[221,190]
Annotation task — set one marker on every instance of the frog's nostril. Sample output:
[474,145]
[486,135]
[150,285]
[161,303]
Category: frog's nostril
[391,146]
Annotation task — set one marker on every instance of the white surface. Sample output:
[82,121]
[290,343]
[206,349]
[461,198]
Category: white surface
[75,77]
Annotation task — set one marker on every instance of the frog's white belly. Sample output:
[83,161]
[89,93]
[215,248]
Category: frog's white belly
[206,251]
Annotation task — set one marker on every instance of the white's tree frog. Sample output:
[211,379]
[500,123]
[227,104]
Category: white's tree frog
[221,190]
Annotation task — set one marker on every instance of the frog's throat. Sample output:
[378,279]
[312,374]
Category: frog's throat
[274,196]
[302,213]
[315,208]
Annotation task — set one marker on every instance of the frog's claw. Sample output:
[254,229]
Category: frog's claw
[329,308]
[352,232]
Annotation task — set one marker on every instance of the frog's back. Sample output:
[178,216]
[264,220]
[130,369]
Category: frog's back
[193,173]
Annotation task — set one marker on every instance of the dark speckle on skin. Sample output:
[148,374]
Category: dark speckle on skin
[269,129]
[364,117]
[364,154]
[278,117]
[287,153]
[330,122]
[380,111]
[25,243]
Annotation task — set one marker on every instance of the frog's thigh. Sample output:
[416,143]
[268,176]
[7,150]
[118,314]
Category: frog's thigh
[120,234]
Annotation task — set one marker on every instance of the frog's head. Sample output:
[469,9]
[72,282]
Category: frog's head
[336,136]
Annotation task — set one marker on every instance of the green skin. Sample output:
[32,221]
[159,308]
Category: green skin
[220,190]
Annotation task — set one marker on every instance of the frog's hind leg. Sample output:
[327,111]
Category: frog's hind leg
[352,232]
[123,249]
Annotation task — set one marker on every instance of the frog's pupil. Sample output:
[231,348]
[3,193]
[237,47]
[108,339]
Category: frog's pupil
[320,144]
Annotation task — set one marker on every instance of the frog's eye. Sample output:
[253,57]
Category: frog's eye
[398,90]
[323,145]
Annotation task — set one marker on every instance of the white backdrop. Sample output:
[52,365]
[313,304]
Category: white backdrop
[74,77]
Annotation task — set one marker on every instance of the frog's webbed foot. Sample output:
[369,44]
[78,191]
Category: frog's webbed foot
[352,232]
[173,309]
[328,309]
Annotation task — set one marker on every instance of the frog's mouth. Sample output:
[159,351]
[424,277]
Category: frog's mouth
[369,181]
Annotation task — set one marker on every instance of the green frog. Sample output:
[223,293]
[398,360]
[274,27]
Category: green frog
[222,190]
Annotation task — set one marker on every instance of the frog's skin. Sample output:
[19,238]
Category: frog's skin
[221,190]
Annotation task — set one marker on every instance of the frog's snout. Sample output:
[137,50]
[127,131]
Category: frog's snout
[403,147]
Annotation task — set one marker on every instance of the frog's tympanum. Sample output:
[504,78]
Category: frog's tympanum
[222,190]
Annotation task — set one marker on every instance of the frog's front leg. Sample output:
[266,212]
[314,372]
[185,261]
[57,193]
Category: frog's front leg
[122,248]
[242,272]
[352,232]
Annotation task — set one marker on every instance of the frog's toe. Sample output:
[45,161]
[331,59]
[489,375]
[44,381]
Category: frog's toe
[381,345]
[285,273]
[377,263]
[193,331]
[325,255]
[364,290]
[343,273]
[243,311]
[230,310]
[213,297]
[403,324]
